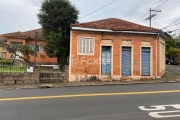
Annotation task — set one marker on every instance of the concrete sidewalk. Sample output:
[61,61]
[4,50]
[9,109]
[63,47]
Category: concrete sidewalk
[172,75]
[75,84]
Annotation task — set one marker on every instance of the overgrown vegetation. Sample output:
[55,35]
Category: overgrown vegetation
[5,62]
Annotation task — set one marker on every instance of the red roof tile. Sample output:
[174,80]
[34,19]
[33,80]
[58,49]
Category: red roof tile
[115,25]
[27,34]
[2,38]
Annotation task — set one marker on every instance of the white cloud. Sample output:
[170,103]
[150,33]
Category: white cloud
[21,15]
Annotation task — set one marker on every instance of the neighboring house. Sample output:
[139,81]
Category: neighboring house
[114,49]
[28,38]
[1,49]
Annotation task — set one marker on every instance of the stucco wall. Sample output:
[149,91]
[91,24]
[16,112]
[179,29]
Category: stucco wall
[162,55]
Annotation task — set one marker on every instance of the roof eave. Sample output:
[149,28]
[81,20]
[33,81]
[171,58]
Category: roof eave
[166,35]
[107,30]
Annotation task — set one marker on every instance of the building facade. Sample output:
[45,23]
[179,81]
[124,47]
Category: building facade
[27,38]
[114,49]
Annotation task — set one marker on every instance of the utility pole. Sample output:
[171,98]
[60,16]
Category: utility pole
[151,15]
[35,48]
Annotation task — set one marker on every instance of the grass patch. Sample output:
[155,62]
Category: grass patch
[177,73]
[166,75]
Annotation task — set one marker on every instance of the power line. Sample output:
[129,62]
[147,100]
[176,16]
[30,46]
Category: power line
[162,4]
[168,4]
[98,9]
[176,21]
[173,30]
[154,8]
[170,25]
[114,9]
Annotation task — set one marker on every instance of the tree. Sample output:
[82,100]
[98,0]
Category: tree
[62,49]
[172,49]
[55,17]
[24,49]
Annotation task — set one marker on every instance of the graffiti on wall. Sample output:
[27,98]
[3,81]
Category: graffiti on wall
[83,65]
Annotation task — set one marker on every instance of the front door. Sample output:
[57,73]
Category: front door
[106,60]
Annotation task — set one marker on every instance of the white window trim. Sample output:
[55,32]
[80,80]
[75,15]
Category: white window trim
[38,46]
[93,46]
[151,60]
[132,59]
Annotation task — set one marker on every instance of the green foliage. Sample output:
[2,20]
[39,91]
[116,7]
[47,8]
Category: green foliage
[172,48]
[57,14]
[5,62]
[178,44]
[11,69]
[174,51]
[24,49]
[55,17]
[57,45]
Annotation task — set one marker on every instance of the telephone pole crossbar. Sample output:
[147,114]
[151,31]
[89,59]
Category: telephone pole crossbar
[152,15]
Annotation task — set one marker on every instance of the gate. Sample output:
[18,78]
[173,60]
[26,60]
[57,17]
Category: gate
[48,77]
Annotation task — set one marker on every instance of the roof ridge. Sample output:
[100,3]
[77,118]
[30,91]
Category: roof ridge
[92,21]
[115,24]
[21,31]
[32,30]
[137,24]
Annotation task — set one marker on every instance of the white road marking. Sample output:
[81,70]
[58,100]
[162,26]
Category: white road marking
[156,114]
[160,110]
[159,107]
[152,109]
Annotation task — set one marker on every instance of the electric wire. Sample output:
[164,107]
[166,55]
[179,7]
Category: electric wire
[97,9]
[161,5]
[113,9]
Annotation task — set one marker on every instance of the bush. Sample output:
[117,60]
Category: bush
[5,62]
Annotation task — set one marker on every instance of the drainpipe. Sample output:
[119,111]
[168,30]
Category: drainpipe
[156,56]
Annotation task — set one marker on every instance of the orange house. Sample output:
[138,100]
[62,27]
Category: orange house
[28,38]
[115,49]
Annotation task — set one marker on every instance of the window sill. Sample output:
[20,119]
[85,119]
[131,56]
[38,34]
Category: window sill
[86,54]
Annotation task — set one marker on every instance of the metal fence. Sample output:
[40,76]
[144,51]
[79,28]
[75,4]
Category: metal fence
[11,68]
[46,77]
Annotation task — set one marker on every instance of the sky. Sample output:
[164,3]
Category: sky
[21,15]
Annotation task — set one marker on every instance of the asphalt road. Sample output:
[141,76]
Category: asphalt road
[173,67]
[115,102]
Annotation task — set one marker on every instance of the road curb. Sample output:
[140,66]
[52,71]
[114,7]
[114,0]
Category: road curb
[79,84]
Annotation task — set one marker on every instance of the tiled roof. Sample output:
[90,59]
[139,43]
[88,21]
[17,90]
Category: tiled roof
[2,38]
[27,34]
[115,25]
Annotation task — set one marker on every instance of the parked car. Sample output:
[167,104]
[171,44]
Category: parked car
[170,62]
